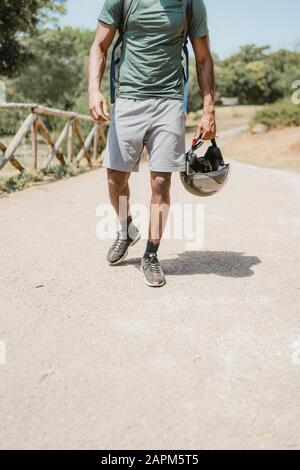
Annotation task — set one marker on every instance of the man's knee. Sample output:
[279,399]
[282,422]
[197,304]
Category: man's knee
[161,183]
[117,180]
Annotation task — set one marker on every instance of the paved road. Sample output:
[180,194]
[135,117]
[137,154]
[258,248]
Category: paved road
[96,359]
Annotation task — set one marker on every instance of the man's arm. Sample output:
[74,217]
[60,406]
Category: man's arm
[205,71]
[97,63]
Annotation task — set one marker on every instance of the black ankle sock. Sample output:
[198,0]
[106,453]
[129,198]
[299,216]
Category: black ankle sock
[151,248]
[125,224]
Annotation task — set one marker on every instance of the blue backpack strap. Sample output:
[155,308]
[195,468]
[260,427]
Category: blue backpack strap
[186,78]
[188,7]
[128,6]
[114,63]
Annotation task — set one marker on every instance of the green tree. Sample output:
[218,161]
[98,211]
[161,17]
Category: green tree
[287,63]
[57,74]
[18,18]
[253,83]
[248,53]
[256,76]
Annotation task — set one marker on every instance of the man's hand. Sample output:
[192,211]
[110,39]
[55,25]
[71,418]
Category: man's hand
[206,128]
[98,107]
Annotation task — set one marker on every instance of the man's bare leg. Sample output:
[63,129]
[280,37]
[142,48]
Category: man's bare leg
[160,205]
[119,193]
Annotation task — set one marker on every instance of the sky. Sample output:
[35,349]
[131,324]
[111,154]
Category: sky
[232,23]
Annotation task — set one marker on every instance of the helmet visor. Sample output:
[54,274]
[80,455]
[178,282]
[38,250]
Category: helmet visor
[210,183]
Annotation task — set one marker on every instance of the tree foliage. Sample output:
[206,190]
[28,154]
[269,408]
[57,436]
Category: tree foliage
[19,18]
[56,76]
[281,114]
[257,76]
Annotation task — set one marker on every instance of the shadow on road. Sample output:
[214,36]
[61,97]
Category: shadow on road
[226,264]
[220,263]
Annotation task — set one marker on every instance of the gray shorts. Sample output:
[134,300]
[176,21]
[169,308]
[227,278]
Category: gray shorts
[157,124]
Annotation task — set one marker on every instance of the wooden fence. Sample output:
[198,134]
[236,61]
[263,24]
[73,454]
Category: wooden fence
[35,125]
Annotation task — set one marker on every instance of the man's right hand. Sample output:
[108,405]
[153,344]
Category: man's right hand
[98,106]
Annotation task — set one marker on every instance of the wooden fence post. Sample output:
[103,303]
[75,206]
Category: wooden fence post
[34,124]
[87,143]
[70,141]
[95,145]
[24,129]
[55,147]
[12,160]
[34,145]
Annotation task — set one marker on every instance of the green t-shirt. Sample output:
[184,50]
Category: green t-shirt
[151,61]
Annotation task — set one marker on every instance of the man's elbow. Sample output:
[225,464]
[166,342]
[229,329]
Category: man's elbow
[98,48]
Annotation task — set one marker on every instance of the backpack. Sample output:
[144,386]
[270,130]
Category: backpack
[128,6]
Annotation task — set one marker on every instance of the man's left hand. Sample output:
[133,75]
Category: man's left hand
[206,128]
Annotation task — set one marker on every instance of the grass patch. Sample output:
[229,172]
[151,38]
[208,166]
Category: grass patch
[18,182]
[58,172]
[26,179]
[279,115]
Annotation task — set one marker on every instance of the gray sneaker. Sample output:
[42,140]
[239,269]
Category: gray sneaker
[154,276]
[119,250]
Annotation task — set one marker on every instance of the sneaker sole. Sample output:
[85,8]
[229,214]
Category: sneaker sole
[153,285]
[126,253]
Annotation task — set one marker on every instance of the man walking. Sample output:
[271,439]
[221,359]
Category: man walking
[148,111]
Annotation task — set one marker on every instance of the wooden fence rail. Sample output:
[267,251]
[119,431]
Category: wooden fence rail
[34,125]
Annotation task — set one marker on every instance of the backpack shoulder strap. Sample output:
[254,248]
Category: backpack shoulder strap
[188,11]
[128,6]
[127,9]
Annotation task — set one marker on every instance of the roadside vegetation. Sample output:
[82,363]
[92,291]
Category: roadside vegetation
[26,179]
[279,115]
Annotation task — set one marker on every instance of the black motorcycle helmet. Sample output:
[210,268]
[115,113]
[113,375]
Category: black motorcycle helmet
[207,175]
